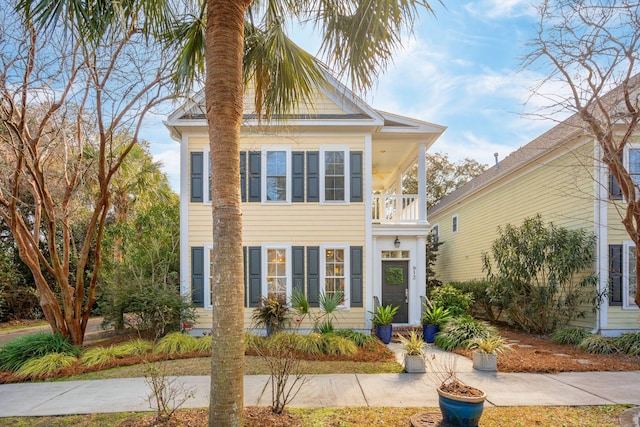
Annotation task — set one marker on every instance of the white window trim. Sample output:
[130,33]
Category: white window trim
[457,222]
[347,176]
[264,289]
[263,176]
[207,277]
[347,271]
[627,302]
[206,191]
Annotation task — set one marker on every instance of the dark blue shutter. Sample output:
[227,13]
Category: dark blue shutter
[243,175]
[313,275]
[197,275]
[297,167]
[297,253]
[615,274]
[356,276]
[255,275]
[355,166]
[313,176]
[197,176]
[254,176]
[244,274]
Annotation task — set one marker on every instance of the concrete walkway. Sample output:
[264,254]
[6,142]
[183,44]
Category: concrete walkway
[373,390]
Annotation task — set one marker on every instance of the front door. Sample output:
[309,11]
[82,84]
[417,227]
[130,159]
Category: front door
[395,288]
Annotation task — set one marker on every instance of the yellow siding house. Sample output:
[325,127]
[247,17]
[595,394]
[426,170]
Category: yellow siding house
[322,206]
[559,176]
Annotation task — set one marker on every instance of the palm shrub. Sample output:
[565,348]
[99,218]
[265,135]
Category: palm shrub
[597,344]
[18,351]
[629,343]
[323,318]
[571,336]
[46,364]
[459,331]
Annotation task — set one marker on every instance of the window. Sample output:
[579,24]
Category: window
[335,271]
[334,167]
[629,278]
[454,224]
[633,162]
[435,233]
[276,179]
[277,271]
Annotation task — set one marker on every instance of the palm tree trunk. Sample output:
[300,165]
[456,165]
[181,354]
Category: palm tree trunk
[224,94]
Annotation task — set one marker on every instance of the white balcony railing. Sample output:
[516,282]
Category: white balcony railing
[397,208]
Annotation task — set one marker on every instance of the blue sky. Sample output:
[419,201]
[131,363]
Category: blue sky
[460,69]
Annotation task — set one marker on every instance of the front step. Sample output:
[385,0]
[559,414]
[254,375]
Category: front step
[405,331]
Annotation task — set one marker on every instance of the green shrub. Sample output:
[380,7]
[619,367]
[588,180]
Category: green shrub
[459,331]
[203,344]
[176,343]
[18,351]
[253,341]
[46,364]
[571,336]
[482,305]
[629,343]
[99,355]
[151,309]
[454,300]
[542,274]
[358,338]
[597,344]
[334,344]
[136,347]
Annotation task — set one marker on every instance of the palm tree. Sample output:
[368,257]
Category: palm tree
[242,40]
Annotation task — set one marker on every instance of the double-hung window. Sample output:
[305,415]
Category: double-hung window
[277,270]
[335,271]
[632,162]
[630,277]
[276,178]
[334,182]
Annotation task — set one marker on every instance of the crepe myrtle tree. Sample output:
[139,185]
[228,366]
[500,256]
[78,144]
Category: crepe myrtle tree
[61,98]
[589,51]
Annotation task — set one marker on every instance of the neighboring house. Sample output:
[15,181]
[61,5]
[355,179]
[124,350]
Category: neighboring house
[558,175]
[322,205]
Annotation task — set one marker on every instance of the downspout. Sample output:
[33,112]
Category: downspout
[601,193]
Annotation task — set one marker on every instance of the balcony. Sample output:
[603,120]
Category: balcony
[396,209]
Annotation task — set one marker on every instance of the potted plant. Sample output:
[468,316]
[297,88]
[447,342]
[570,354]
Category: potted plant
[382,320]
[433,317]
[485,352]
[272,313]
[460,404]
[414,352]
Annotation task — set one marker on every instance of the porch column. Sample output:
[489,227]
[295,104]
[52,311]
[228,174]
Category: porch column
[422,183]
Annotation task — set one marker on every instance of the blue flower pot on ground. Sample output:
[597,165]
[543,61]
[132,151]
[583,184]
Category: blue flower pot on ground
[384,333]
[461,411]
[429,332]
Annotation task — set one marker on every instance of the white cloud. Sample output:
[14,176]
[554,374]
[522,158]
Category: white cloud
[500,9]
[170,160]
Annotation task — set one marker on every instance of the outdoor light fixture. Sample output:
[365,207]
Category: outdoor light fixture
[396,242]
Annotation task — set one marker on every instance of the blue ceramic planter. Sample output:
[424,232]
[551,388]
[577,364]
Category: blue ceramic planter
[429,332]
[461,411]
[384,333]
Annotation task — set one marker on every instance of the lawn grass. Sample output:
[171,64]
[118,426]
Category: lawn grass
[548,416]
[254,365]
